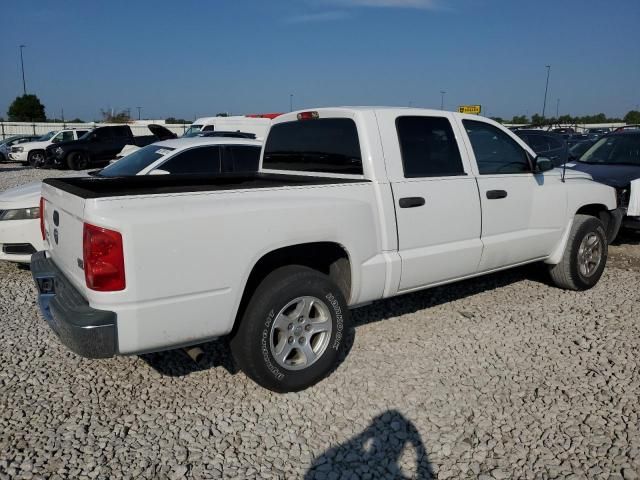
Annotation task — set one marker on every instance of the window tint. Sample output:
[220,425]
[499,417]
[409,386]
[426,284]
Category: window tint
[103,133]
[494,150]
[135,162]
[66,136]
[322,145]
[120,131]
[539,143]
[208,128]
[555,143]
[428,147]
[244,158]
[204,160]
[81,133]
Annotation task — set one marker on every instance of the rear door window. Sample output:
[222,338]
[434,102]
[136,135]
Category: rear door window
[202,160]
[242,158]
[325,145]
[428,146]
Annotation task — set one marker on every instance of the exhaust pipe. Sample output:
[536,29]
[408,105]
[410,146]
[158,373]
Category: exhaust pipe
[194,353]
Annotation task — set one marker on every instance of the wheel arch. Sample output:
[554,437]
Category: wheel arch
[330,258]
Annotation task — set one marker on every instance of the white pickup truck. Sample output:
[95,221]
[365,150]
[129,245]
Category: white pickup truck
[350,205]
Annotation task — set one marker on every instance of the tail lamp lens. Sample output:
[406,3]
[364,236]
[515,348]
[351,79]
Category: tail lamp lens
[103,259]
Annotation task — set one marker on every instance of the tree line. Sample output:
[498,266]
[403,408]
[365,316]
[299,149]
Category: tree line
[29,108]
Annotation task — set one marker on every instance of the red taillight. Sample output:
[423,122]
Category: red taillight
[42,217]
[308,115]
[103,259]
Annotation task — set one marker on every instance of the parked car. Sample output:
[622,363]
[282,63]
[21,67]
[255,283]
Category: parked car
[20,234]
[7,143]
[219,133]
[33,153]
[615,161]
[350,205]
[564,131]
[100,145]
[548,144]
[596,133]
[250,124]
[577,149]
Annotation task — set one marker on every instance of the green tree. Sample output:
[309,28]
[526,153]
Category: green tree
[174,120]
[109,116]
[497,119]
[632,117]
[537,119]
[26,108]
[518,119]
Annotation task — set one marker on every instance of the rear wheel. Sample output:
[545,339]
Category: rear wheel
[36,158]
[292,331]
[77,161]
[585,255]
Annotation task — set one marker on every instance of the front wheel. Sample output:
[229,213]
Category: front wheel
[36,158]
[585,255]
[292,331]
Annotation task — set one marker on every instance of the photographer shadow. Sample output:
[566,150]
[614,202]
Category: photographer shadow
[377,452]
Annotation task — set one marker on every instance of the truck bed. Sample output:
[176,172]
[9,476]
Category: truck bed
[97,187]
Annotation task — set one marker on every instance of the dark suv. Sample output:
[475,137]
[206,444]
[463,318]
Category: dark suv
[547,144]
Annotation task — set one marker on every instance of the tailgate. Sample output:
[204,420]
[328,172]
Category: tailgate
[63,222]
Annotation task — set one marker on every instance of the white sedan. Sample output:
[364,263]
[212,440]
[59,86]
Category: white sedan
[20,234]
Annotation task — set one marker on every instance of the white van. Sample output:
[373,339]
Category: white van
[256,125]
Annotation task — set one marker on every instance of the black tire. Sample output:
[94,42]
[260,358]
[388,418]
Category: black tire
[77,161]
[568,274]
[35,158]
[251,342]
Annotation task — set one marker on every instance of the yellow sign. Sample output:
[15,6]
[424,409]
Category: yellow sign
[473,109]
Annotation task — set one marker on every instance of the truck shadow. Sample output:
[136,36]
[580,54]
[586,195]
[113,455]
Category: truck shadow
[378,452]
[217,353]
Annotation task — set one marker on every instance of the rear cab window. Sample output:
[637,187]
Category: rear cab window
[321,145]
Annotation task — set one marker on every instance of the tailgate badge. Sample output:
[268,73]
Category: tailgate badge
[80,263]
[56,218]
[55,235]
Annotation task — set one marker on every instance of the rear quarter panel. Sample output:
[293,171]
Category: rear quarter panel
[188,256]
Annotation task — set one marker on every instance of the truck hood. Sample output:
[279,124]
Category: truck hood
[161,132]
[24,196]
[33,145]
[617,176]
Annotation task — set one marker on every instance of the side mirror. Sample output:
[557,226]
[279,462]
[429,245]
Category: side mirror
[543,164]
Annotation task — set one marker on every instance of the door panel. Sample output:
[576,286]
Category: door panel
[525,224]
[439,240]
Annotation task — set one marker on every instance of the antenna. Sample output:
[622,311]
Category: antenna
[564,171]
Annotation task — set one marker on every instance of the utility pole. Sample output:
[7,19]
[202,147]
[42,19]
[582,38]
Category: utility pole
[558,108]
[24,84]
[546,88]
[442,92]
[139,110]
[291,102]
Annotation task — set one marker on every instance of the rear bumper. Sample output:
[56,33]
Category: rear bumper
[86,331]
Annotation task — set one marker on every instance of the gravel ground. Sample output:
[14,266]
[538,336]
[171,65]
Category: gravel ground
[500,377]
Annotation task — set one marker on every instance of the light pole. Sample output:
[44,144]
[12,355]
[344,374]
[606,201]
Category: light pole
[291,102]
[442,92]
[546,88]
[558,108]
[24,84]
[139,110]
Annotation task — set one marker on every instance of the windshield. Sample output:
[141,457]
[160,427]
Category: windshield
[192,131]
[577,150]
[46,136]
[135,162]
[614,150]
